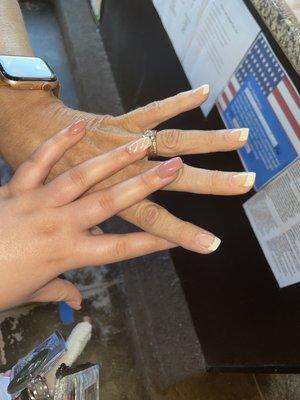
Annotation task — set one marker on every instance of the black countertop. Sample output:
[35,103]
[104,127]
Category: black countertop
[243,320]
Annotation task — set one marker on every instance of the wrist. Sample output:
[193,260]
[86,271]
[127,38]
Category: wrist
[25,117]
[16,98]
[28,118]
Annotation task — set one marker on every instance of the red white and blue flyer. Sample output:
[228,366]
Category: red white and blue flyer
[261,96]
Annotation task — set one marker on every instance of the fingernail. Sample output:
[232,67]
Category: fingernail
[95,230]
[245,179]
[77,127]
[139,146]
[204,90]
[240,134]
[169,167]
[208,242]
[74,305]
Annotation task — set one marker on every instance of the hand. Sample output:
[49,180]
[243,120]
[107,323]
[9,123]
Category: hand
[46,228]
[47,115]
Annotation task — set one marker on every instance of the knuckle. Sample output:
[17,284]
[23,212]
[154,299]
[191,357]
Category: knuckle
[171,138]
[40,153]
[214,178]
[66,290]
[105,202]
[129,122]
[146,181]
[148,215]
[99,121]
[210,139]
[61,290]
[154,106]
[120,249]
[78,177]
[180,174]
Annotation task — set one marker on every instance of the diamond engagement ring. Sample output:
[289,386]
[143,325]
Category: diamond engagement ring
[152,135]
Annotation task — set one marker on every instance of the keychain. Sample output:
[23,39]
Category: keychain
[43,374]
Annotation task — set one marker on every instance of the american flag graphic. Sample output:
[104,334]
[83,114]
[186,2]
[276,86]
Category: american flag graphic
[274,83]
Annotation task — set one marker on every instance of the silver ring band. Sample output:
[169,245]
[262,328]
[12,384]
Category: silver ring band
[152,135]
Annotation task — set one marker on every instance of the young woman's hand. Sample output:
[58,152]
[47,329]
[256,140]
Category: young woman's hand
[28,117]
[47,228]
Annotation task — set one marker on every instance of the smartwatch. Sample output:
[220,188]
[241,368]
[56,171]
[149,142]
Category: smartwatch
[27,73]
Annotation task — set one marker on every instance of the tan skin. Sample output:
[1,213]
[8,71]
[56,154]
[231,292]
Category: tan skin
[28,118]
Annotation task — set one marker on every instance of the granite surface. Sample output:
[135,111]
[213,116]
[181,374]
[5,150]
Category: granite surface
[284,27]
[294,5]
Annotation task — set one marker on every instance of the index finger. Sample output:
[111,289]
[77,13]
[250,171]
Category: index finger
[155,113]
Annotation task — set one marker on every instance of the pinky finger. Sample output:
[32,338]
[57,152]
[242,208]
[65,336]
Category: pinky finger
[37,167]
[110,248]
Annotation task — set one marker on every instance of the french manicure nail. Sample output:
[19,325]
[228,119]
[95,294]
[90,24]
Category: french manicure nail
[77,127]
[204,90]
[208,242]
[139,145]
[240,134]
[169,167]
[245,179]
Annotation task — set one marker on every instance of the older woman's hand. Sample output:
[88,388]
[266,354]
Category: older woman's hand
[41,114]
[46,228]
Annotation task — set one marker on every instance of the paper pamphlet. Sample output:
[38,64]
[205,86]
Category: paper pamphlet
[274,213]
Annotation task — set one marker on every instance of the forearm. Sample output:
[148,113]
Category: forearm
[29,117]
[23,113]
[13,36]
[15,139]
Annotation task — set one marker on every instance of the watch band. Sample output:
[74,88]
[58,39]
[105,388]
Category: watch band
[56,90]
[29,86]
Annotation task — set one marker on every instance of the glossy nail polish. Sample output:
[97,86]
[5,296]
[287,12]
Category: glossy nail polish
[139,146]
[208,242]
[245,179]
[77,127]
[169,167]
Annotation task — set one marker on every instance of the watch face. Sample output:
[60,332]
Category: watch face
[26,69]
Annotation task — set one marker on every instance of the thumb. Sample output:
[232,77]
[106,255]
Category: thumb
[59,290]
